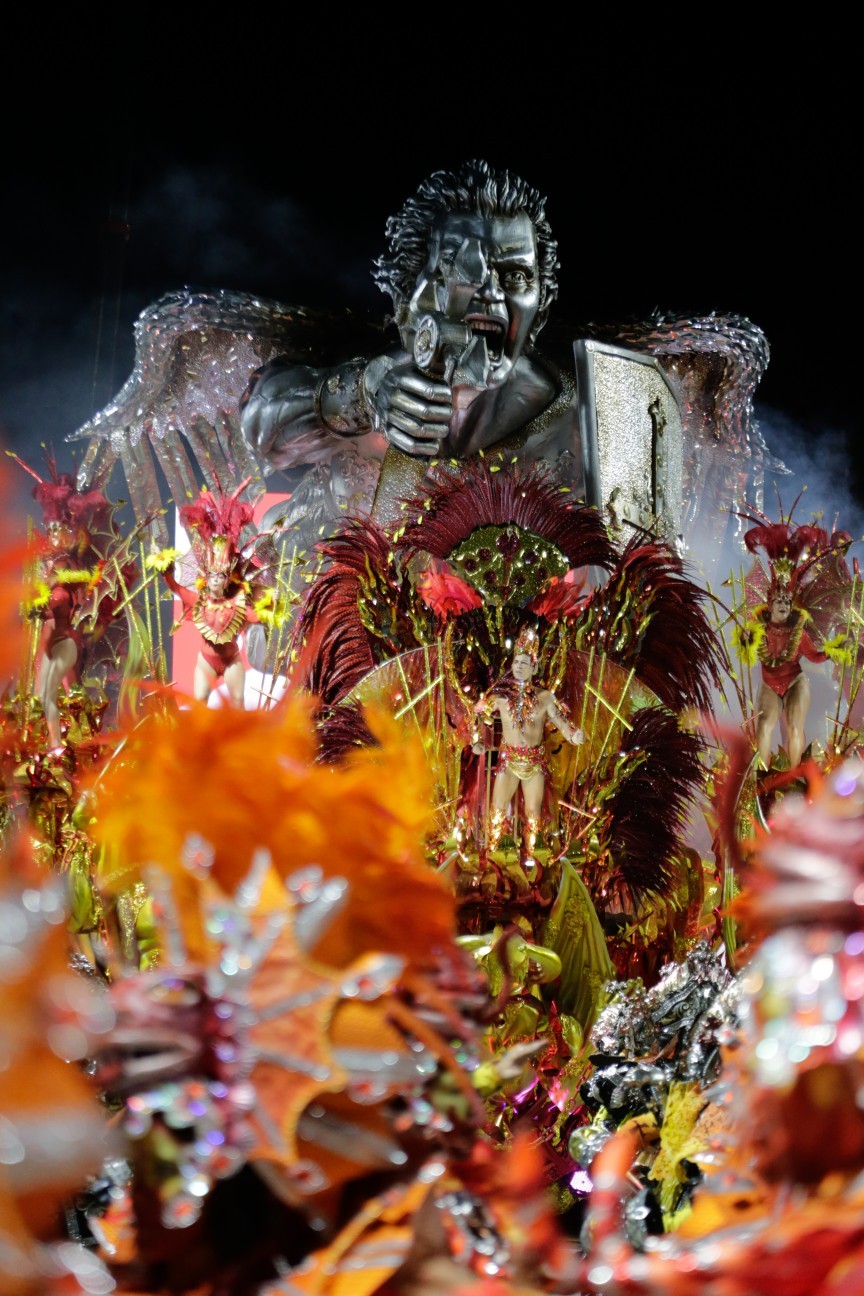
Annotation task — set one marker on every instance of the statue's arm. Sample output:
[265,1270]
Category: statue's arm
[291,412]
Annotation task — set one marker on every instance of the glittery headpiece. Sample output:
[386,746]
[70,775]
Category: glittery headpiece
[63,505]
[527,644]
[222,555]
[215,524]
[789,549]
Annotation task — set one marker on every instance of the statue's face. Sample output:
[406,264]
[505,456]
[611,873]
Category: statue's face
[781,606]
[482,270]
[523,668]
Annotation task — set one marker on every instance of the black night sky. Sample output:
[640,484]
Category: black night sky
[710,178]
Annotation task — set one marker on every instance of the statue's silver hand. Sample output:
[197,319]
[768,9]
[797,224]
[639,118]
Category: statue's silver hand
[412,410]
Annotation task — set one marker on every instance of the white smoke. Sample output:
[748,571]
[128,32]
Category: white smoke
[821,464]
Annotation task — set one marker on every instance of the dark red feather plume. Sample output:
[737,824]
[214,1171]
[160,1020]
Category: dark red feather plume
[212,515]
[649,812]
[341,730]
[447,510]
[330,614]
[650,615]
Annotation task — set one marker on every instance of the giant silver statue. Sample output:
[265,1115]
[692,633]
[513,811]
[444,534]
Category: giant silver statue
[651,421]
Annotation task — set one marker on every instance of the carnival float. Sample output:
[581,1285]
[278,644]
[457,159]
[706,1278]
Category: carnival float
[477,907]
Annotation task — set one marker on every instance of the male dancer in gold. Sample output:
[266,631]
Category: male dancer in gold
[524,712]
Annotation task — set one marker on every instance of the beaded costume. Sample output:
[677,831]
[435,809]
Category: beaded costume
[524,762]
[218,621]
[782,648]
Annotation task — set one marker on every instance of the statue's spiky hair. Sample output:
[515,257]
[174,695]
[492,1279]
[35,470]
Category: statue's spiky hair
[476,188]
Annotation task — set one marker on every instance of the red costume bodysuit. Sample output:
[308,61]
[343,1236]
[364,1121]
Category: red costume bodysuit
[218,621]
[781,650]
[58,620]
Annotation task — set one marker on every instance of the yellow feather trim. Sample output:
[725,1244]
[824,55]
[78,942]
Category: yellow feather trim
[747,640]
[162,560]
[41,595]
[73,576]
[839,649]
[272,613]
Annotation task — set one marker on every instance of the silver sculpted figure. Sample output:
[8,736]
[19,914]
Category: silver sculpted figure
[471,273]
[472,277]
[651,420]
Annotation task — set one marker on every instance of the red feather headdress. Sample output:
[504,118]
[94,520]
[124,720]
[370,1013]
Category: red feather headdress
[215,524]
[790,549]
[63,505]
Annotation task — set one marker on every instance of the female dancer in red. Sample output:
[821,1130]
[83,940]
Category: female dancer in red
[222,605]
[69,570]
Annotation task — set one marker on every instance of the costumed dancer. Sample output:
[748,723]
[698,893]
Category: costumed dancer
[68,569]
[524,712]
[777,633]
[223,603]
[785,689]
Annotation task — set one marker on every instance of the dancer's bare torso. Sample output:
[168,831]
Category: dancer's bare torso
[525,726]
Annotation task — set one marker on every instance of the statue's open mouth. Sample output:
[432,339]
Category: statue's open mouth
[493,329]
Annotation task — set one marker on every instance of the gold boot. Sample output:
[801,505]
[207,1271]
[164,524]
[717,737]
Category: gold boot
[530,833]
[496,829]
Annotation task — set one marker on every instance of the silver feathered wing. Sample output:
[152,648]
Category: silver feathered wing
[176,420]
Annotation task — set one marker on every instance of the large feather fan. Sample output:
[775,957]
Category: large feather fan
[649,812]
[330,628]
[651,616]
[448,509]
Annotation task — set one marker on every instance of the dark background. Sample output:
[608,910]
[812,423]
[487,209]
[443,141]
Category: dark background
[687,175]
